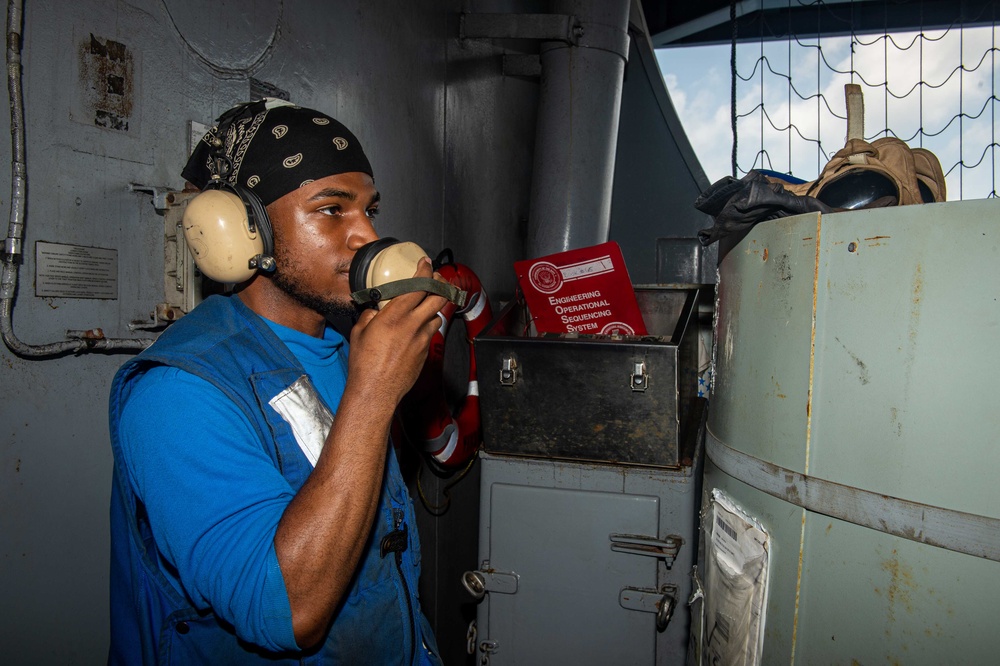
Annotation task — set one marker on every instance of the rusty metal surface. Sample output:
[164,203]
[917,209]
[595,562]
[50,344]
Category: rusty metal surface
[855,348]
[107,74]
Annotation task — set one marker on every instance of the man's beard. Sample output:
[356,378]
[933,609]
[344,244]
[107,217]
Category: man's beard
[286,278]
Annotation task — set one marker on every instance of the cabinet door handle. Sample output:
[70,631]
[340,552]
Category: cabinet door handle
[637,544]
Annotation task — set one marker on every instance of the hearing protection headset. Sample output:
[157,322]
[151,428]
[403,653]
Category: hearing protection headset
[383,269]
[226,226]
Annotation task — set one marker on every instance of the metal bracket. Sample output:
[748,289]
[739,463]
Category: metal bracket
[639,380]
[181,280]
[162,196]
[508,371]
[637,544]
[547,28]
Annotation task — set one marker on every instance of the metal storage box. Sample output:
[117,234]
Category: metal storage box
[587,397]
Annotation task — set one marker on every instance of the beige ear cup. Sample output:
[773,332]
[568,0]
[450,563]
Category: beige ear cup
[396,262]
[216,231]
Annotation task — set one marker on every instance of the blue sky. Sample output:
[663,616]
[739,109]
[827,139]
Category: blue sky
[698,79]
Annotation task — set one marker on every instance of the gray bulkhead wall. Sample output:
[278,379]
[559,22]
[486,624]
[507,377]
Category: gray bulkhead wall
[452,162]
[657,175]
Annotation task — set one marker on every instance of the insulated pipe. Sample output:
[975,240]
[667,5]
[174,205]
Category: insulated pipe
[577,128]
[89,340]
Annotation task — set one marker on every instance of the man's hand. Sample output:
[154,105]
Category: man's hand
[322,534]
[389,346]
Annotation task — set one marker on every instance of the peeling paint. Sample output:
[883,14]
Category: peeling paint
[902,585]
[864,377]
[918,290]
[809,394]
[812,339]
[107,69]
[896,421]
[798,584]
[784,268]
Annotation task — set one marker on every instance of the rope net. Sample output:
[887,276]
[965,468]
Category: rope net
[933,88]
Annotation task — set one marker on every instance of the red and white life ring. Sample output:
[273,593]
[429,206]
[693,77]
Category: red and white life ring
[449,438]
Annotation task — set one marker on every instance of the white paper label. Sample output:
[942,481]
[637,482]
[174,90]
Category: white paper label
[735,584]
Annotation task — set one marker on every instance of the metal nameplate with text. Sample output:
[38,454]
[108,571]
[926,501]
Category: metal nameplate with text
[75,271]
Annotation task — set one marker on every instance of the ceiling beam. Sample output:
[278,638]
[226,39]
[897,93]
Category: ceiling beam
[768,20]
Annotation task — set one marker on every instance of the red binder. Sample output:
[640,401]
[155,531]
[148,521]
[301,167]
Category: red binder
[586,290]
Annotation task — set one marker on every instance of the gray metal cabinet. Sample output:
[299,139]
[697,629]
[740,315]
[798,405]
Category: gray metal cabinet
[580,561]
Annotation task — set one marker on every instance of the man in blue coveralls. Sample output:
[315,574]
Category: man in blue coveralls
[258,514]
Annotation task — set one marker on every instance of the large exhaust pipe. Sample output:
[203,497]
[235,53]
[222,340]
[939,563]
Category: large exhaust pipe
[577,130]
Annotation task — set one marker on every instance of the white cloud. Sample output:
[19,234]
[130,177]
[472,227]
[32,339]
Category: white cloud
[699,84]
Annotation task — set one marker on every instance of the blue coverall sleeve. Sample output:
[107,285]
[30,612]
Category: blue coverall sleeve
[214,498]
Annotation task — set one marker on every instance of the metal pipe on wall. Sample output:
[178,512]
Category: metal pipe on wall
[577,128]
[90,340]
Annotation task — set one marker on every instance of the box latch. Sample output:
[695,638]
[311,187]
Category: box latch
[662,602]
[639,377]
[486,579]
[508,371]
[639,544]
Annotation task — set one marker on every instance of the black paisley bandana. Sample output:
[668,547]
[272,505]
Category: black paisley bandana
[272,148]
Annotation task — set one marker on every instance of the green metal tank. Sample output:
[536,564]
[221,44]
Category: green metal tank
[856,416]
